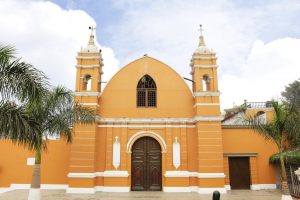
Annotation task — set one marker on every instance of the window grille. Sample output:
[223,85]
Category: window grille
[146,92]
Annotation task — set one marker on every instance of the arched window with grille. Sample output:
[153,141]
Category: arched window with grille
[146,92]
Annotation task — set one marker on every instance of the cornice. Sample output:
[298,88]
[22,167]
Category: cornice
[204,94]
[160,120]
[88,66]
[86,94]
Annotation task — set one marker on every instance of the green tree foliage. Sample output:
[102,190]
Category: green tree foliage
[292,93]
[283,130]
[21,84]
[30,110]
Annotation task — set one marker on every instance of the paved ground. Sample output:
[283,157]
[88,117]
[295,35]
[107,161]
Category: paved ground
[60,194]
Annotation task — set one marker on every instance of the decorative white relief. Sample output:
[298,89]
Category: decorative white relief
[30,161]
[116,153]
[176,153]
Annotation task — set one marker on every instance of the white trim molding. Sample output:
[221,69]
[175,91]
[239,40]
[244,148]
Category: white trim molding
[144,126]
[211,175]
[15,186]
[87,66]
[206,104]
[89,104]
[81,175]
[206,94]
[87,94]
[88,57]
[194,189]
[114,173]
[145,120]
[97,189]
[140,134]
[205,66]
[263,186]
[204,57]
[177,174]
[210,118]
[119,122]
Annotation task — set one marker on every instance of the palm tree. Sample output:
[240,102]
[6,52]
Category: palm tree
[30,112]
[283,130]
[55,114]
[22,83]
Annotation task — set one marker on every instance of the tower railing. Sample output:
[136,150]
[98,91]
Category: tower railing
[267,104]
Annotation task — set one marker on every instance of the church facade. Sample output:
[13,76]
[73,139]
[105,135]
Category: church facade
[153,133]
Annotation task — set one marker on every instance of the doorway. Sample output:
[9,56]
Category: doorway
[146,165]
[239,172]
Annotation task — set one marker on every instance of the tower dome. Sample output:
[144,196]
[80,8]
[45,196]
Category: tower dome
[202,48]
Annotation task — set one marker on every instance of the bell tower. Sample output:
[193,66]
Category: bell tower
[207,118]
[82,164]
[89,67]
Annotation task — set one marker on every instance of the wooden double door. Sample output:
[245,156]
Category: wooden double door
[146,170]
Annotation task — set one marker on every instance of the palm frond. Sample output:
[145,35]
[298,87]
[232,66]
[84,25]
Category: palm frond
[58,113]
[6,53]
[291,157]
[19,79]
[17,125]
[282,129]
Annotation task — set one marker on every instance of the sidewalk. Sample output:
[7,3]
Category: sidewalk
[60,194]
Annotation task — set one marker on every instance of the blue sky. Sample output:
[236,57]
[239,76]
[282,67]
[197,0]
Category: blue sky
[257,42]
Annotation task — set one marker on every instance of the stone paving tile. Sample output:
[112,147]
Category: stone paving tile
[61,195]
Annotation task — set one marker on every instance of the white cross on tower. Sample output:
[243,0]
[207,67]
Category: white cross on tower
[92,29]
[201,30]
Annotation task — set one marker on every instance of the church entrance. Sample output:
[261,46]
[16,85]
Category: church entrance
[146,170]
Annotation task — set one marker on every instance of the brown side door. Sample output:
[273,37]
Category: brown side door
[146,165]
[239,172]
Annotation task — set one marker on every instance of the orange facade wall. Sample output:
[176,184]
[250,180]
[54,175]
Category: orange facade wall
[14,168]
[245,141]
[174,98]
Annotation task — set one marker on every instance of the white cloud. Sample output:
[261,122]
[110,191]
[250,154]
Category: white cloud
[167,30]
[267,70]
[49,37]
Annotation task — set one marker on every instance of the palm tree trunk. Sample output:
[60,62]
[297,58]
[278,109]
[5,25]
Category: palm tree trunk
[34,192]
[284,183]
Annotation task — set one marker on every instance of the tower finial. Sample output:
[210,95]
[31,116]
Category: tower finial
[91,41]
[201,38]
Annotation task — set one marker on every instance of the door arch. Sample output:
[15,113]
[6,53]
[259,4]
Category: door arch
[146,165]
